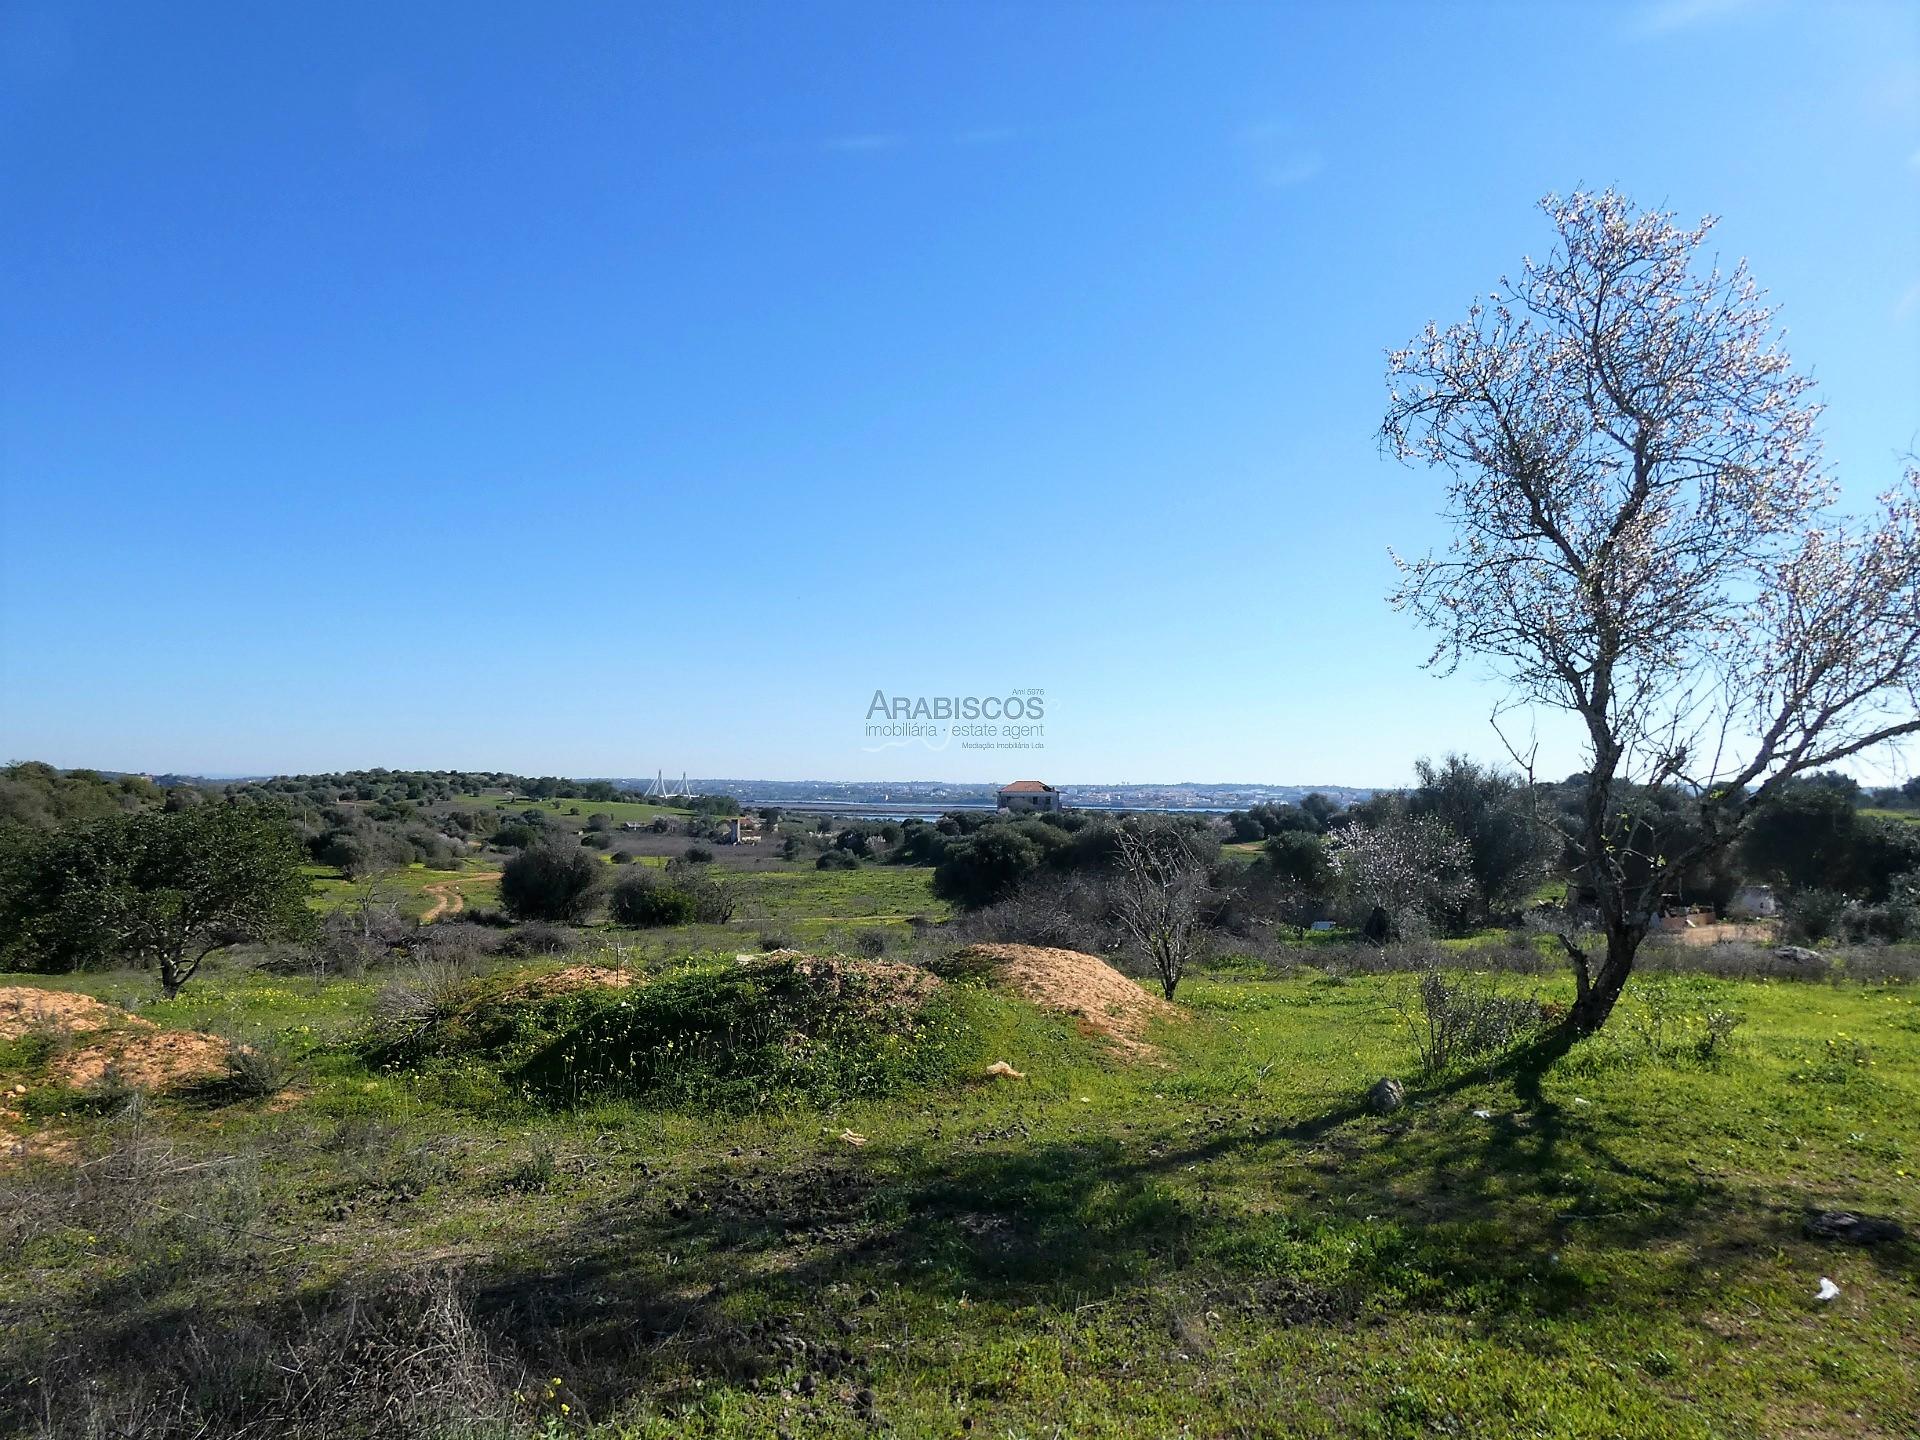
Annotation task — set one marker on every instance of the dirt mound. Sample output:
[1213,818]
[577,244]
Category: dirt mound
[24,1009]
[1105,1002]
[566,982]
[148,1059]
[754,1032]
[136,1052]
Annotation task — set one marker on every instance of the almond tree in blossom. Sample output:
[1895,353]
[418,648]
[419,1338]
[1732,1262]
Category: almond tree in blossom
[1644,536]
[1414,867]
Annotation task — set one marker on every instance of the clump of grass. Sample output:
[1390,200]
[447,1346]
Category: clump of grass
[425,995]
[536,1168]
[32,1051]
[254,1070]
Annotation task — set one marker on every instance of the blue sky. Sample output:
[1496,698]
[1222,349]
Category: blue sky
[597,389]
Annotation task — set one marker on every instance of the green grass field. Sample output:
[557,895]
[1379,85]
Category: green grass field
[873,892]
[1911,817]
[407,886]
[620,810]
[812,903]
[1220,1243]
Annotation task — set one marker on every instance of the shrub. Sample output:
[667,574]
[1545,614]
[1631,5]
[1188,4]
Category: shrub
[537,937]
[621,857]
[457,942]
[698,855]
[644,900]
[550,883]
[1069,912]
[988,865]
[872,943]
[1813,915]
[254,1072]
[1463,1017]
[837,860]
[1717,1026]
[421,997]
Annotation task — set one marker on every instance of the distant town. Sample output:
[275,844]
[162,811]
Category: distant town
[952,794]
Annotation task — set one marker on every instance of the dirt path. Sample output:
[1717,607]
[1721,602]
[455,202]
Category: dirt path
[448,898]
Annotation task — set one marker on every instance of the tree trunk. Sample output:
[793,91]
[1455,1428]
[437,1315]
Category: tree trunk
[1596,1002]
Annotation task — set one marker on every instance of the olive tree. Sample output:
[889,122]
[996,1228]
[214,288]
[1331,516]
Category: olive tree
[163,890]
[1644,536]
[551,882]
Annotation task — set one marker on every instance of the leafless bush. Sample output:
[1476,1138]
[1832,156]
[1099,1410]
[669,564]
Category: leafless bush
[1511,957]
[1730,960]
[140,1195]
[1461,1017]
[402,1357]
[1069,912]
[538,937]
[1883,964]
[425,993]
[1741,960]
[456,942]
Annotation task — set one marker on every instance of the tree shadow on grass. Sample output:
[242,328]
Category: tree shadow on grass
[738,1272]
[757,1269]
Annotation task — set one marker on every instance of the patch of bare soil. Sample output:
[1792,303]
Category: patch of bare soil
[1105,1002]
[42,1145]
[148,1059]
[569,980]
[1755,932]
[24,1009]
[449,898]
[137,1052]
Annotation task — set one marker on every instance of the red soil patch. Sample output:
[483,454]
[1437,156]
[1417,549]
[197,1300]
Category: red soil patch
[137,1052]
[147,1059]
[1102,1001]
[24,1009]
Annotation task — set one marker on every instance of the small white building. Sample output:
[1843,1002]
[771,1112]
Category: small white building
[1028,796]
